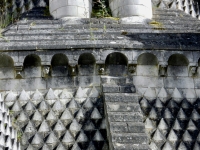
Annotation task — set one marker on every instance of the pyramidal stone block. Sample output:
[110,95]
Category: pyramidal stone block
[68,140]
[50,97]
[37,118]
[44,108]
[10,98]
[37,141]
[191,96]
[59,128]
[52,141]
[98,137]
[94,93]
[80,96]
[82,137]
[44,128]
[58,108]
[95,114]
[177,96]
[149,126]
[88,104]
[158,138]
[163,95]
[66,117]
[23,98]
[29,108]
[74,128]
[65,96]
[150,94]
[80,116]
[73,106]
[80,93]
[51,118]
[37,97]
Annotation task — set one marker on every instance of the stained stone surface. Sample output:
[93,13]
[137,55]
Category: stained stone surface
[9,137]
[58,119]
[171,121]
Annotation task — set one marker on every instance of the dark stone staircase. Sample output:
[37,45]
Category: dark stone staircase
[123,115]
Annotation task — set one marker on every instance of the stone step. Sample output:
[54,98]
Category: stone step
[127,127]
[122,107]
[126,146]
[113,88]
[125,117]
[122,97]
[133,138]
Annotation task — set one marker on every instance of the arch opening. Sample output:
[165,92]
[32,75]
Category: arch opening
[147,65]
[116,64]
[147,59]
[6,66]
[86,64]
[32,66]
[59,63]
[177,65]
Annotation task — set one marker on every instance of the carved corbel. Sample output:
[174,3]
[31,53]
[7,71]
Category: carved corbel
[18,72]
[163,70]
[101,69]
[46,71]
[132,68]
[193,69]
[73,70]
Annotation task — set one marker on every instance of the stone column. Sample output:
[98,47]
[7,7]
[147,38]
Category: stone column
[70,8]
[131,10]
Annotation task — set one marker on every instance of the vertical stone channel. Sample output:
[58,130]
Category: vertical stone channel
[123,115]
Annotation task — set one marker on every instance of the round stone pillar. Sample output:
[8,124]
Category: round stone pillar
[70,8]
[131,10]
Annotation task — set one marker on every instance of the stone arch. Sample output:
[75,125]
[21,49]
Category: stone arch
[147,59]
[59,60]
[32,60]
[86,64]
[178,60]
[116,64]
[177,65]
[59,63]
[147,65]
[32,66]
[6,66]
[6,61]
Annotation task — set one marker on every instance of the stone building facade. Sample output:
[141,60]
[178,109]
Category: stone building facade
[75,82]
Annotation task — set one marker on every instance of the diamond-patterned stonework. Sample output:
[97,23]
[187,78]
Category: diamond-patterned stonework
[59,120]
[189,6]
[171,121]
[8,135]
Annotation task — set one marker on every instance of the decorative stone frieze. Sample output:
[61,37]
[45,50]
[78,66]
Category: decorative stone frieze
[70,8]
[131,10]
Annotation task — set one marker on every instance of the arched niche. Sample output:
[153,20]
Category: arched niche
[6,66]
[177,65]
[116,64]
[86,64]
[32,66]
[147,65]
[59,63]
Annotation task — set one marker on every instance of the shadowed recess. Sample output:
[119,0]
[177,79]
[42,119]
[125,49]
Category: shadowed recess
[86,59]
[147,59]
[178,60]
[32,60]
[59,60]
[6,61]
[116,58]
